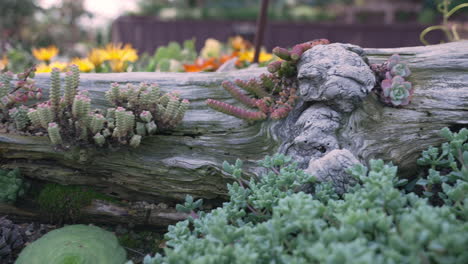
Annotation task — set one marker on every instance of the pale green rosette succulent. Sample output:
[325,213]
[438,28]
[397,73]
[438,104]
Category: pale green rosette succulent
[74,244]
[397,91]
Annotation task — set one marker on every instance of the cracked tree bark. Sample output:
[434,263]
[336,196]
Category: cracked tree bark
[336,123]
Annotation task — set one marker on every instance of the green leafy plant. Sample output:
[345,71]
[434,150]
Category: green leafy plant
[274,94]
[270,220]
[450,30]
[13,185]
[72,245]
[171,58]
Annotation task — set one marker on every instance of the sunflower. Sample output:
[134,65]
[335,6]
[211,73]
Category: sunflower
[45,54]
[84,64]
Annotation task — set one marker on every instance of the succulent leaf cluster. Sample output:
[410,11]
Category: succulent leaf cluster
[67,117]
[274,95]
[74,244]
[13,185]
[447,178]
[19,92]
[270,220]
[394,89]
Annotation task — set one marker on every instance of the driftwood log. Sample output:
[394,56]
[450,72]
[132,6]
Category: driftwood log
[336,123]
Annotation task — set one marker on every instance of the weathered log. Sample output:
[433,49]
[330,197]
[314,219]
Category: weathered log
[188,161]
[102,212]
[337,122]
[165,167]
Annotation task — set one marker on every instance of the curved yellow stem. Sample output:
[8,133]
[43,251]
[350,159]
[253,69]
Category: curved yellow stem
[455,9]
[429,29]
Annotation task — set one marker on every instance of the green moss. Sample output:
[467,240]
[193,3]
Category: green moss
[64,203]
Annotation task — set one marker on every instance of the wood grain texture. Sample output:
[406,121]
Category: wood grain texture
[165,167]
[440,78]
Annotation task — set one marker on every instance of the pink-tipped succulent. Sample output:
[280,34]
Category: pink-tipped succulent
[272,94]
[396,91]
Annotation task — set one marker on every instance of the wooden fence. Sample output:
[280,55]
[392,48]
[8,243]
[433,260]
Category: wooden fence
[147,33]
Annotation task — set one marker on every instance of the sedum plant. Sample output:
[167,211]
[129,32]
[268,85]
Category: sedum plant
[394,90]
[274,95]
[137,111]
[13,185]
[14,93]
[74,244]
[270,220]
[447,179]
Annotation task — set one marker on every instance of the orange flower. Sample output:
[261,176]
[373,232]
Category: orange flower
[239,43]
[202,65]
[3,62]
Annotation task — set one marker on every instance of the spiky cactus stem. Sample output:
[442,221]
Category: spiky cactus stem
[237,94]
[33,115]
[70,89]
[54,133]
[46,115]
[235,111]
[20,116]
[55,91]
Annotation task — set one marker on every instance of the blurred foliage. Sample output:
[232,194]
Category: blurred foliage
[25,25]
[450,29]
[309,10]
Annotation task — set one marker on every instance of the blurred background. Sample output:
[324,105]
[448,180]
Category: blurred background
[75,27]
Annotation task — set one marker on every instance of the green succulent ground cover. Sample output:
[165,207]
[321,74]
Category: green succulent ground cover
[285,216]
[270,219]
[12,185]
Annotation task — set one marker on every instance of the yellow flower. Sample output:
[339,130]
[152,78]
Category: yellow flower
[212,49]
[59,65]
[41,68]
[85,65]
[118,65]
[3,62]
[97,56]
[248,56]
[117,52]
[45,54]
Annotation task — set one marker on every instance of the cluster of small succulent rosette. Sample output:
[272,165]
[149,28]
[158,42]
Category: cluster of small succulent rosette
[274,94]
[395,90]
[67,118]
